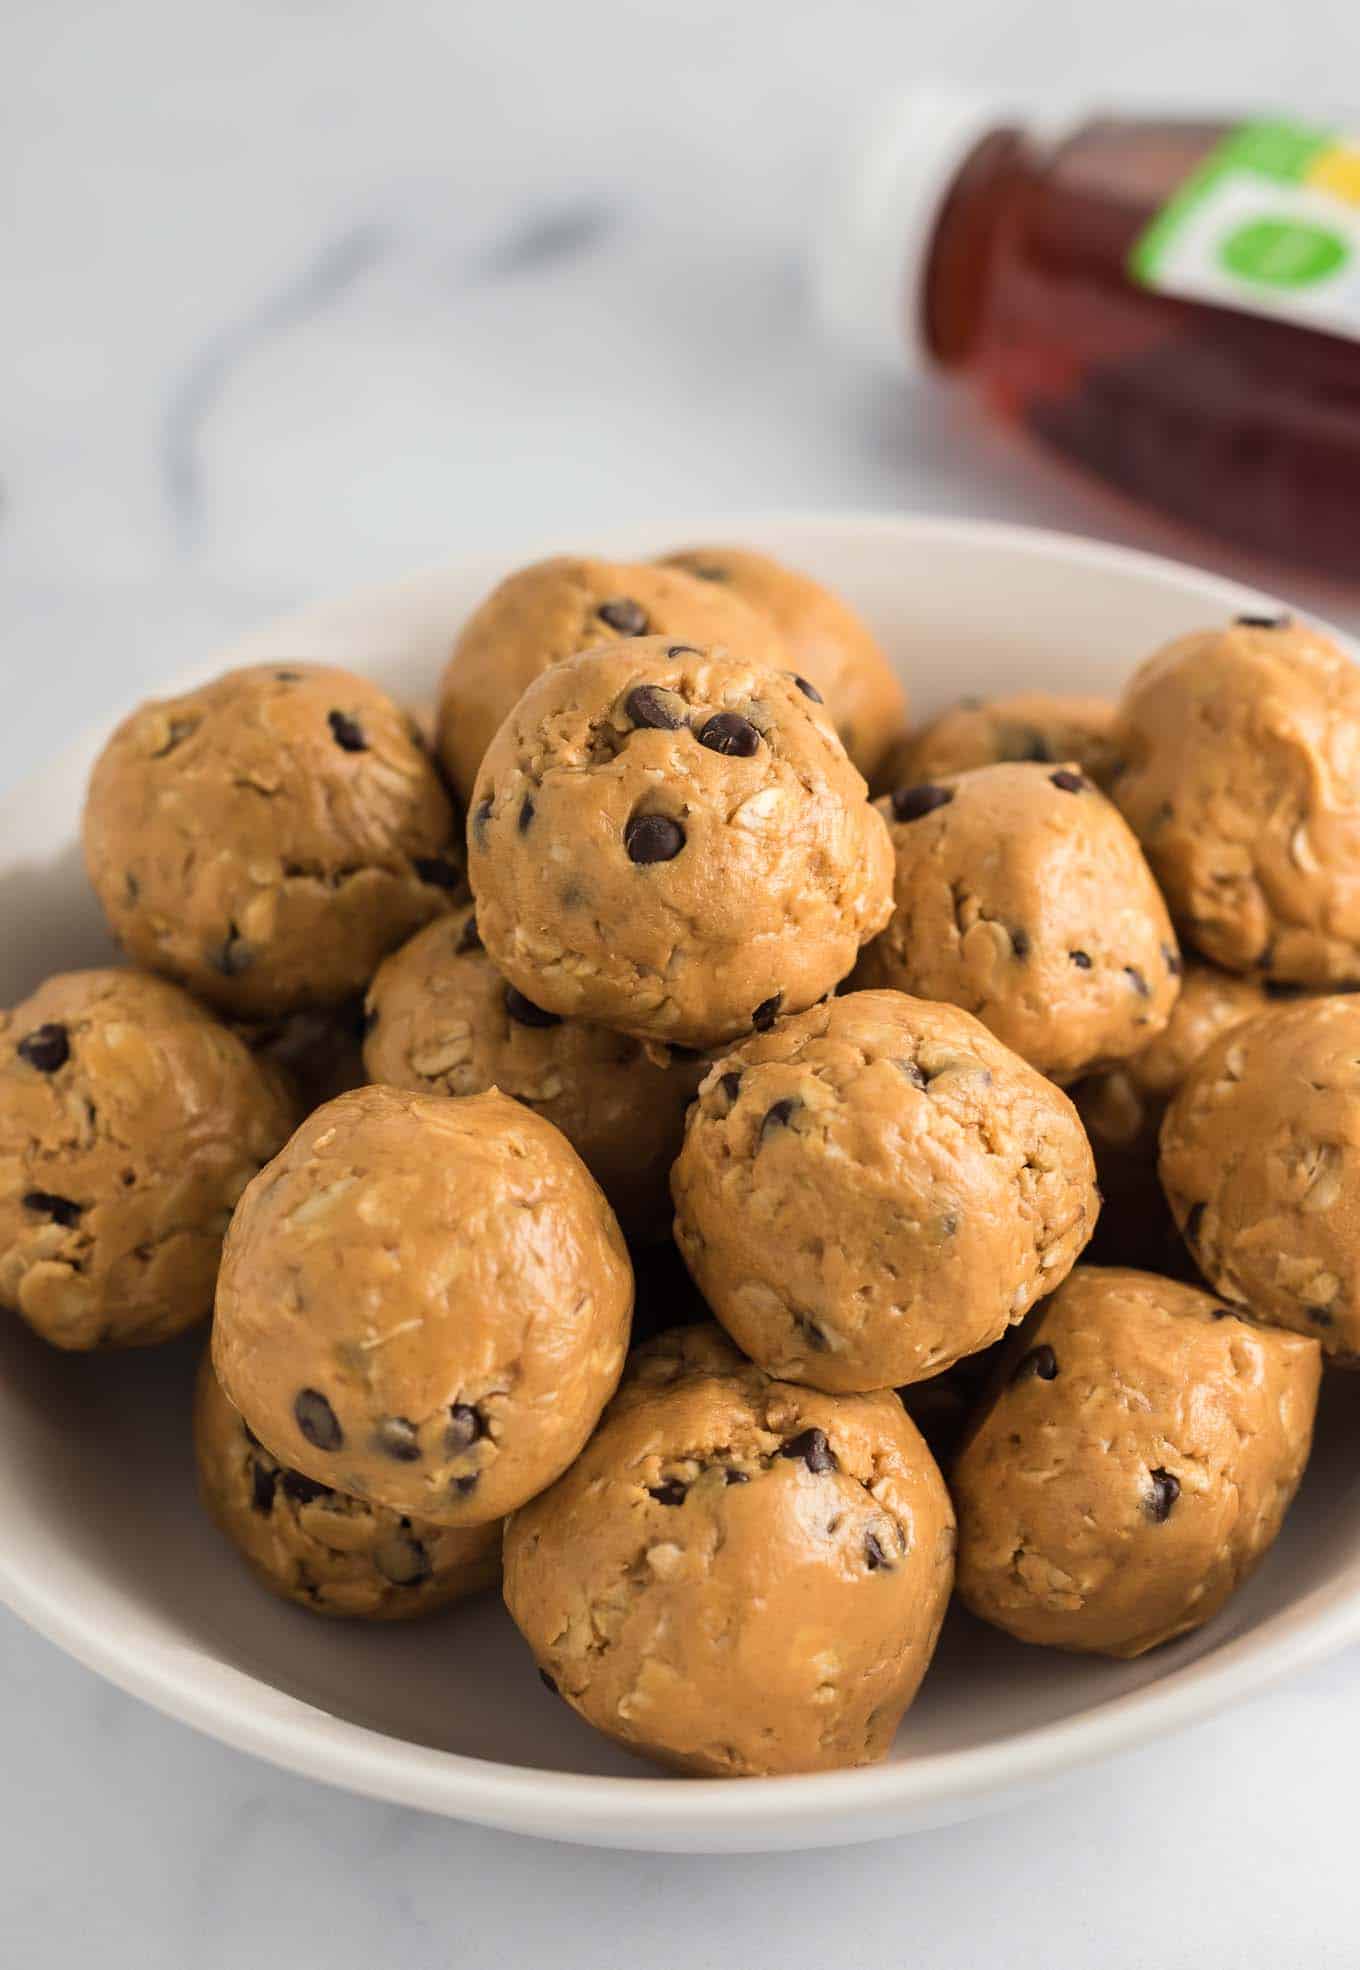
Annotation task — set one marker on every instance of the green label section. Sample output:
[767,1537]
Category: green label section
[1279,150]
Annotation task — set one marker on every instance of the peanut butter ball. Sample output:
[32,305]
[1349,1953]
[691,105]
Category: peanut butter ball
[1134,1469]
[269,838]
[1022,896]
[317,1547]
[737,1577]
[828,644]
[877,1188]
[672,842]
[1051,728]
[130,1123]
[442,1020]
[424,1302]
[1241,778]
[555,609]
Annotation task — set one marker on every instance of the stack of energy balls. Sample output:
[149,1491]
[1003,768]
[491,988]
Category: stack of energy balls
[416,1107]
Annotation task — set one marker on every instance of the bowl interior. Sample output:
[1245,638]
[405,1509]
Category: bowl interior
[102,1542]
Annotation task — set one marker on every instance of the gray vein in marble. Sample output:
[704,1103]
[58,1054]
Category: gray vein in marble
[332,272]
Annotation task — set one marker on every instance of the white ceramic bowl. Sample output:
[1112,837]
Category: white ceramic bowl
[102,1544]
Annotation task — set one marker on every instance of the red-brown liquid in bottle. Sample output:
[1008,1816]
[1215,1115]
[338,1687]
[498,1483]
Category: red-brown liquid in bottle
[1242,424]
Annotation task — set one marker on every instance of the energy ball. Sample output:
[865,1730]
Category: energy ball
[1031,725]
[829,646]
[1241,778]
[555,609]
[424,1303]
[315,1546]
[442,1020]
[737,1577]
[1023,897]
[672,842]
[130,1123]
[269,838]
[1134,1469]
[876,1189]
[1260,1161]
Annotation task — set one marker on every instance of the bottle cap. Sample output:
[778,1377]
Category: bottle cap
[869,254]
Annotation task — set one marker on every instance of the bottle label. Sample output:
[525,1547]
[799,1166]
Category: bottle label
[1269,224]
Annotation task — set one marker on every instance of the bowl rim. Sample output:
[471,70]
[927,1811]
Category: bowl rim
[656,1812]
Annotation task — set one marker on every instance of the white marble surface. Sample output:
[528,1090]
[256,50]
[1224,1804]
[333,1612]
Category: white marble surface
[295,296]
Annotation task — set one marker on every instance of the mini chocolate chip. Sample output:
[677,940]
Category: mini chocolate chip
[811,1448]
[1137,980]
[1081,959]
[1194,1218]
[1066,781]
[682,650]
[469,938]
[287,676]
[465,1486]
[875,1554]
[303,1490]
[61,1210]
[808,690]
[132,886]
[1029,746]
[262,1482]
[481,816]
[730,1085]
[1282,621]
[437,871]
[548,1682]
[233,956]
[1020,943]
[735,1477]
[912,1072]
[347,733]
[317,1420]
[766,1013]
[465,1426]
[778,1115]
[728,732]
[625,615]
[524,1012]
[650,705]
[1166,1489]
[670,1492]
[396,1437]
[653,838]
[914,803]
[526,814]
[1040,1363]
[1172,959]
[47,1047]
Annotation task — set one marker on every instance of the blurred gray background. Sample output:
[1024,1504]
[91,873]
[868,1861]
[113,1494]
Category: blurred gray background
[294,297]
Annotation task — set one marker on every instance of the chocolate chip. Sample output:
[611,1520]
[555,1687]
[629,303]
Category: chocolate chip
[912,1072]
[437,871]
[1040,1363]
[47,1048]
[287,676]
[465,1426]
[670,1492]
[730,1085]
[233,956]
[263,1479]
[1194,1218]
[1027,745]
[1020,943]
[524,1012]
[469,938]
[778,1115]
[913,803]
[526,814]
[1081,959]
[1281,621]
[735,1477]
[303,1490]
[811,1448]
[651,706]
[625,615]
[653,838]
[465,1486]
[1172,960]
[480,818]
[875,1553]
[317,1420]
[1137,980]
[347,733]
[1321,1316]
[1066,781]
[682,650]
[728,732]
[396,1437]
[1166,1489]
[61,1210]
[548,1683]
[808,690]
[766,1013]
